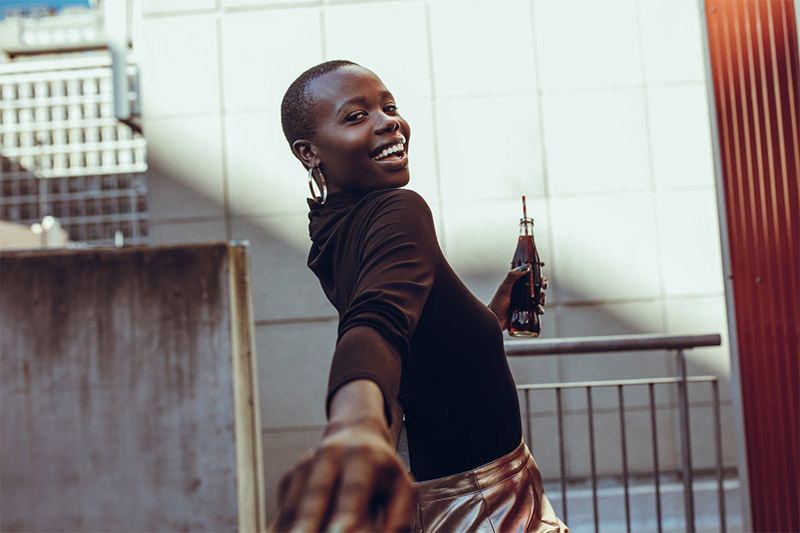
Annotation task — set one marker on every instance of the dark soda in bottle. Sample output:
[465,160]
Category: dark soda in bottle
[523,318]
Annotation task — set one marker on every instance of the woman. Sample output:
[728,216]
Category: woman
[412,340]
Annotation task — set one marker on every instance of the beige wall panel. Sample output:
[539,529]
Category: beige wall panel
[397,52]
[680,138]
[575,50]
[604,247]
[596,141]
[283,286]
[672,42]
[185,232]
[489,154]
[482,48]
[264,178]
[688,241]
[423,152]
[282,449]
[178,66]
[294,361]
[176,7]
[186,177]
[263,51]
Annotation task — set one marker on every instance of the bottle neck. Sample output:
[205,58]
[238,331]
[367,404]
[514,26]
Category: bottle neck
[526,227]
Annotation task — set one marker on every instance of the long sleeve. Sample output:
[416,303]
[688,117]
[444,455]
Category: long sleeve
[394,264]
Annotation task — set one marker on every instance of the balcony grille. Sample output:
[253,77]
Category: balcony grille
[65,154]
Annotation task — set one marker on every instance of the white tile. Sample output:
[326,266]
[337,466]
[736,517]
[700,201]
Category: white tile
[680,136]
[283,286]
[179,72]
[672,43]
[701,316]
[184,232]
[185,178]
[624,318]
[388,38]
[482,48]
[162,7]
[269,3]
[293,365]
[689,243]
[482,237]
[422,151]
[489,148]
[585,43]
[596,142]
[256,70]
[264,177]
[282,449]
[604,247]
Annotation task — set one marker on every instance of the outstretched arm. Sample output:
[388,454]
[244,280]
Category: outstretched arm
[352,480]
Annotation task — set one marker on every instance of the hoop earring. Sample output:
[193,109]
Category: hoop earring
[324,197]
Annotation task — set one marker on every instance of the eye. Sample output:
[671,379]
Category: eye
[390,109]
[355,116]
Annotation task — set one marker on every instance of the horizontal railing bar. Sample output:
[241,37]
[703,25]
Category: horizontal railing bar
[614,383]
[608,343]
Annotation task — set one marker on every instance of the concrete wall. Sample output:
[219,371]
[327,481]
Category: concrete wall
[119,405]
[595,110]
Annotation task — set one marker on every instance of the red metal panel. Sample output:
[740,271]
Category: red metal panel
[754,62]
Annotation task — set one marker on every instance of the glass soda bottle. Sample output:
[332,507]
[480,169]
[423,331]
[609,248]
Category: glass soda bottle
[523,318]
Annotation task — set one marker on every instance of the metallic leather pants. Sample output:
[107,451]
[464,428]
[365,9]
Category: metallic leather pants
[504,495]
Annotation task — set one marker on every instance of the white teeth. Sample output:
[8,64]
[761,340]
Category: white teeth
[390,150]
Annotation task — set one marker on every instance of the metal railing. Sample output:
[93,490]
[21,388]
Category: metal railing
[617,344]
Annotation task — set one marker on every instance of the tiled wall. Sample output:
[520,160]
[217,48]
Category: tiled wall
[596,111]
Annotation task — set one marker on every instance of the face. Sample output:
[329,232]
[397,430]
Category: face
[361,141]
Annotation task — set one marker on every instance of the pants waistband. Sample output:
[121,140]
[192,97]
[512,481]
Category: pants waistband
[474,480]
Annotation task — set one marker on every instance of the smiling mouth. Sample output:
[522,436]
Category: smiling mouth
[396,151]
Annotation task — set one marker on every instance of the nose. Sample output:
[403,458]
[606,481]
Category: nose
[387,124]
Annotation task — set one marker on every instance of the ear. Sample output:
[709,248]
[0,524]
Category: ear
[306,152]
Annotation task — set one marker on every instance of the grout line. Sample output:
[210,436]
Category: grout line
[650,168]
[437,171]
[223,131]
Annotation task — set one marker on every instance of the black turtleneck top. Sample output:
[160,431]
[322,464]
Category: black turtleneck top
[429,342]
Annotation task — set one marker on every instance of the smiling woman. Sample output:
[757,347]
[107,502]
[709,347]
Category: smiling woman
[375,252]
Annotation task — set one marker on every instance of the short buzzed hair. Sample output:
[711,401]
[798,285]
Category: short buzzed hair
[298,105]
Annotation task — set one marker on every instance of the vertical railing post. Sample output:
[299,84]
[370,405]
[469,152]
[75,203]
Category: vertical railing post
[624,450]
[686,440]
[562,455]
[590,412]
[656,470]
[723,526]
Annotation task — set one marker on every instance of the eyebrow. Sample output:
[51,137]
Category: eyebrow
[361,100]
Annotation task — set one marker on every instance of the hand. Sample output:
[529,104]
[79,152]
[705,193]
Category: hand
[352,481]
[502,297]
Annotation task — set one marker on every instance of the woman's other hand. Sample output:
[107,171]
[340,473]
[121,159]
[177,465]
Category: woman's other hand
[502,297]
[353,480]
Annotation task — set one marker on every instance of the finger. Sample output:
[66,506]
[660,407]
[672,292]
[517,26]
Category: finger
[400,506]
[540,310]
[515,273]
[544,282]
[542,298]
[355,491]
[290,494]
[318,493]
